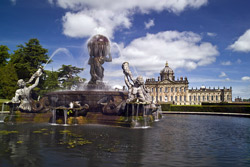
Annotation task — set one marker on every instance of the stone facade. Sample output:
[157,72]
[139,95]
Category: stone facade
[167,89]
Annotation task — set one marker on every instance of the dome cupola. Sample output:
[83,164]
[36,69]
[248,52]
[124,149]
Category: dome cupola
[167,73]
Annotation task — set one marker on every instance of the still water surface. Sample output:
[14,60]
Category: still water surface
[177,140]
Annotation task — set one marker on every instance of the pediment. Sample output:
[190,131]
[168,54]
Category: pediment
[166,81]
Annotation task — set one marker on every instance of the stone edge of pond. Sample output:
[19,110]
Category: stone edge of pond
[208,113]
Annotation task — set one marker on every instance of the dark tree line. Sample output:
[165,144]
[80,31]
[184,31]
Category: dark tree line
[24,61]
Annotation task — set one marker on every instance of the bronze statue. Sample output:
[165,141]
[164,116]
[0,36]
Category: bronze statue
[99,52]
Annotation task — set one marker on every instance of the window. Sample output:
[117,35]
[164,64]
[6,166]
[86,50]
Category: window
[194,98]
[156,98]
[216,97]
[160,89]
[207,98]
[175,98]
[190,98]
[172,98]
[203,98]
[212,98]
[180,98]
[175,89]
[152,89]
[166,89]
[172,89]
[180,89]
[166,98]
[185,98]
[199,99]
[160,98]
[152,98]
[184,89]
[228,97]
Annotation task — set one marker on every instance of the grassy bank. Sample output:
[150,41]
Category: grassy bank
[243,108]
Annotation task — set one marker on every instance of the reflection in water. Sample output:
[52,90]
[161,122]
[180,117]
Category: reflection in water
[177,140]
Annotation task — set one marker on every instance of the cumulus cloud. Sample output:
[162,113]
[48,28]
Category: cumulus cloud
[211,34]
[222,74]
[110,15]
[89,22]
[227,79]
[180,49]
[242,44]
[149,24]
[226,63]
[245,78]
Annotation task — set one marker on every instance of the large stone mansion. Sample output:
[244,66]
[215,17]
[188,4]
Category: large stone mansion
[168,89]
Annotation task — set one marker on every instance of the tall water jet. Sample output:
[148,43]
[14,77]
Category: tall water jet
[65,117]
[53,121]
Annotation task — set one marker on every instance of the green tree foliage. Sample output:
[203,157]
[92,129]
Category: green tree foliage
[68,77]
[26,59]
[50,82]
[4,55]
[8,81]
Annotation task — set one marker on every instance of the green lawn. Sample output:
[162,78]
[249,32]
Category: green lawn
[4,100]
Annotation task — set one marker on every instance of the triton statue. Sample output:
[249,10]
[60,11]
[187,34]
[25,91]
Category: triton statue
[99,52]
[22,95]
[136,89]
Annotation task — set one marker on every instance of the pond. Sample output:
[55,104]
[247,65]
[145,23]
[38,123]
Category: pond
[177,140]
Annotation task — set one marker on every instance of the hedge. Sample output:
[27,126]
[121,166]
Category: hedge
[211,108]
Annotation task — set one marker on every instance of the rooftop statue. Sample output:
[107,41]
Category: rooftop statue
[99,52]
[22,95]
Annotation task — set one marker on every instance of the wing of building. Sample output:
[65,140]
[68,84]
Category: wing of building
[167,89]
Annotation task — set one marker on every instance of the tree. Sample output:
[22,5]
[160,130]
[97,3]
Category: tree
[8,82]
[4,55]
[50,82]
[28,58]
[68,77]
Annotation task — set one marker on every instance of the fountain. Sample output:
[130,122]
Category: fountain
[93,102]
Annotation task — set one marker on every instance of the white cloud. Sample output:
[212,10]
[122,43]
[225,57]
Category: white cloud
[211,34]
[180,49]
[226,63]
[110,15]
[241,91]
[222,74]
[89,22]
[242,44]
[227,79]
[245,78]
[149,24]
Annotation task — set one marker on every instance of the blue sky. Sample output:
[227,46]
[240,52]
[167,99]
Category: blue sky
[206,40]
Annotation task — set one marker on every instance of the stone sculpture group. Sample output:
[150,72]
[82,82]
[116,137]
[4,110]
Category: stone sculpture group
[136,88]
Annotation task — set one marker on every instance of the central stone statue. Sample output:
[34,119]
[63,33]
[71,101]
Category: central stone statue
[99,52]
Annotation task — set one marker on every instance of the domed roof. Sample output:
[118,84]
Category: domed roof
[167,69]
